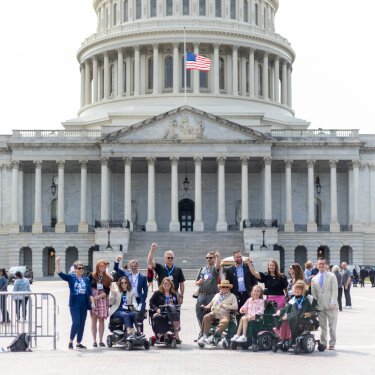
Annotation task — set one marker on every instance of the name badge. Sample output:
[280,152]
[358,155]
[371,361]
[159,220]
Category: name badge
[170,277]
[99,286]
[240,279]
[81,291]
[205,277]
[125,306]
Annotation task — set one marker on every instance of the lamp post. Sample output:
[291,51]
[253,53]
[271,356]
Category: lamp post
[109,247]
[264,232]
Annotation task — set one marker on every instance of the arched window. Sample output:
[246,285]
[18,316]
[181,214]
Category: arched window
[256,14]
[260,69]
[185,7]
[150,73]
[112,83]
[169,7]
[188,75]
[168,72]
[245,11]
[139,9]
[221,74]
[115,14]
[54,212]
[233,9]
[202,7]
[218,8]
[126,17]
[153,8]
[318,211]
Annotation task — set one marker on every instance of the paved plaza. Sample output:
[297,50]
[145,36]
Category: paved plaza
[355,349]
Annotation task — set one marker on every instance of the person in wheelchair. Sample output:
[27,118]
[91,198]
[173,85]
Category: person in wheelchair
[252,307]
[166,295]
[299,312]
[121,301]
[220,306]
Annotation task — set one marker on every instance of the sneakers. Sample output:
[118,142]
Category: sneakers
[235,338]
[242,339]
[210,339]
[348,307]
[202,340]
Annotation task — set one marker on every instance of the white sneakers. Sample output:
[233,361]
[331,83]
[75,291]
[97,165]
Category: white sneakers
[202,340]
[348,307]
[210,339]
[237,338]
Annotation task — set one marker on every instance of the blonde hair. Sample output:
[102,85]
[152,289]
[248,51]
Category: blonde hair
[309,264]
[168,252]
[301,285]
[261,291]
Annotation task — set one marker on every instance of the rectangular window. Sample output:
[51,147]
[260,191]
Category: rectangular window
[169,7]
[126,19]
[153,8]
[187,75]
[245,11]
[233,9]
[185,7]
[139,9]
[218,8]
[203,79]
[202,7]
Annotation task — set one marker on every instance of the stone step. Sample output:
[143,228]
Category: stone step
[190,248]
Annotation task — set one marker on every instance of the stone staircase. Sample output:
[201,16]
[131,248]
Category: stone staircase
[190,248]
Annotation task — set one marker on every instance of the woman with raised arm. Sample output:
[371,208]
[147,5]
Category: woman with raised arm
[80,300]
[274,281]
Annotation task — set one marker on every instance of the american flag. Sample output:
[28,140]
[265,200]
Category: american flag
[197,62]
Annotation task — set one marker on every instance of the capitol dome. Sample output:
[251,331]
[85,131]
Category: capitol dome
[132,68]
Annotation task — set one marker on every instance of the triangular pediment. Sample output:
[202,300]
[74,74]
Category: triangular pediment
[185,124]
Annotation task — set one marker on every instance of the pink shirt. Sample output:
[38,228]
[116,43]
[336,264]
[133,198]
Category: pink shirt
[254,307]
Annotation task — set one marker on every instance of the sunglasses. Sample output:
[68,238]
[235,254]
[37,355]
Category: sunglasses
[80,268]
[209,257]
[133,266]
[169,257]
[123,282]
[166,284]
[225,287]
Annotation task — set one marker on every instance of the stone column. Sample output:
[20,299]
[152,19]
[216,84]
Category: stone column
[14,227]
[284,84]
[372,195]
[243,74]
[196,72]
[265,76]
[251,73]
[277,80]
[221,225]
[156,69]
[289,96]
[198,225]
[128,75]
[244,189]
[176,69]
[174,225]
[20,193]
[87,82]
[311,224]
[60,225]
[38,225]
[216,69]
[83,226]
[334,225]
[137,61]
[106,76]
[82,69]
[357,225]
[104,189]
[120,73]
[235,69]
[267,189]
[288,225]
[151,225]
[128,191]
[350,193]
[95,79]
[256,81]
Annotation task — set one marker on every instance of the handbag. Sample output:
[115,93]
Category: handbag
[196,291]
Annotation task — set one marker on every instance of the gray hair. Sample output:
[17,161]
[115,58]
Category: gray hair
[335,268]
[168,252]
[133,261]
[344,263]
[77,263]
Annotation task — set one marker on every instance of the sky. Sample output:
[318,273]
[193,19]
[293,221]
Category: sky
[332,74]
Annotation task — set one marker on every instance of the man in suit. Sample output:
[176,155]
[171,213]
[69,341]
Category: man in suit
[240,277]
[325,290]
[138,281]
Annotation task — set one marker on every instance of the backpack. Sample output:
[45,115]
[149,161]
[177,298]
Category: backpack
[20,343]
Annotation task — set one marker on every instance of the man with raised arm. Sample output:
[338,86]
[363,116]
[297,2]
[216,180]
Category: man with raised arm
[168,270]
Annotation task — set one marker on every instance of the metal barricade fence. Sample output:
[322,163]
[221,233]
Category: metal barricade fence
[30,313]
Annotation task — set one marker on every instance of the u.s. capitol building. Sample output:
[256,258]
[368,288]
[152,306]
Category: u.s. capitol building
[214,170]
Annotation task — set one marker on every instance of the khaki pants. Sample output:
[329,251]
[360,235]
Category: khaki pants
[209,319]
[330,317]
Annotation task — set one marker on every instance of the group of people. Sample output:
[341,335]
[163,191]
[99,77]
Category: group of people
[363,273]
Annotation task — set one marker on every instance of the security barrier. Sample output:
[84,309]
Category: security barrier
[31,313]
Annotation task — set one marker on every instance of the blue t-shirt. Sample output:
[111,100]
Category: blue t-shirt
[79,287]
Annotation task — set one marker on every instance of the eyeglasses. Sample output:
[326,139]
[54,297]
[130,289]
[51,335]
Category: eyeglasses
[134,266]
[102,265]
[80,268]
[225,287]
[166,284]
[169,257]
[209,257]
[123,282]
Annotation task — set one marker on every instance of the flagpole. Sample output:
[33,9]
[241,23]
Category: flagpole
[185,63]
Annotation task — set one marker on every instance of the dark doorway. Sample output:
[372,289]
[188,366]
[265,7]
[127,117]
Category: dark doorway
[26,257]
[48,261]
[186,215]
[70,257]
[300,256]
[281,250]
[346,254]
[323,251]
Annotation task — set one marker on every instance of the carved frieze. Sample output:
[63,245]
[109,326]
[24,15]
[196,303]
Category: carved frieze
[184,129]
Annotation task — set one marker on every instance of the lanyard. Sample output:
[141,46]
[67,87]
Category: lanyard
[168,299]
[134,282]
[220,298]
[208,271]
[169,272]
[124,298]
[299,304]
[81,283]
[240,270]
[100,280]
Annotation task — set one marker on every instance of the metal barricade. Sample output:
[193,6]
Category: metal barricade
[30,313]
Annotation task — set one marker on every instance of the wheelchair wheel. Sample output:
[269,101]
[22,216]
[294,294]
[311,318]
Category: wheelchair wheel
[255,348]
[128,345]
[284,348]
[233,345]
[174,344]
[274,348]
[321,347]
[201,345]
[265,341]
[308,344]
[297,350]
[151,341]
[225,344]
[109,341]
[146,344]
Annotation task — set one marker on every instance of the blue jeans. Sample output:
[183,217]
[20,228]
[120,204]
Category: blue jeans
[348,301]
[78,311]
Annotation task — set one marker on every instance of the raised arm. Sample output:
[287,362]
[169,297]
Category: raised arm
[64,276]
[252,269]
[218,260]
[150,258]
